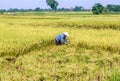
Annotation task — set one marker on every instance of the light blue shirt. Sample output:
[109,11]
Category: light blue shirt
[61,37]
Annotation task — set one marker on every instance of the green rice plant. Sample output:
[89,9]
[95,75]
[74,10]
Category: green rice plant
[115,76]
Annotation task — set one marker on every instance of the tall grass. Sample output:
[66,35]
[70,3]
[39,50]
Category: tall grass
[24,39]
[19,31]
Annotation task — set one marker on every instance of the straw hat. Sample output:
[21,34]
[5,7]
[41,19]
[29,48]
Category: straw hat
[66,33]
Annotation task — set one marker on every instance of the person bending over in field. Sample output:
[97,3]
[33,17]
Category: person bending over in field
[61,38]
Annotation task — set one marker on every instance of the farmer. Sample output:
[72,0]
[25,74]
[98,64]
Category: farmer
[61,38]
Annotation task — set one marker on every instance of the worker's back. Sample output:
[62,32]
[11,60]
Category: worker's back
[59,37]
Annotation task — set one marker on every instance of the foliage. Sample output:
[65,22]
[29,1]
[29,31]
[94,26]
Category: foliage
[53,4]
[97,8]
[78,8]
[2,11]
[113,8]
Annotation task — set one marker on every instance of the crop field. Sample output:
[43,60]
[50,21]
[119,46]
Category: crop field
[28,51]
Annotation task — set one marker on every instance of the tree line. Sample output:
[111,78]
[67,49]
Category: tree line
[76,8]
[98,8]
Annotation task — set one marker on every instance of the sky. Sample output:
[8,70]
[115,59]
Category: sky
[31,4]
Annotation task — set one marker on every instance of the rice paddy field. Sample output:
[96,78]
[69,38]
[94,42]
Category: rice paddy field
[28,51]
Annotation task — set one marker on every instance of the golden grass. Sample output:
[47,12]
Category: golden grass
[28,51]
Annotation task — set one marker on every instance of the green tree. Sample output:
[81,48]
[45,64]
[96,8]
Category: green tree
[37,9]
[117,8]
[2,11]
[110,7]
[53,4]
[97,8]
[113,8]
[77,8]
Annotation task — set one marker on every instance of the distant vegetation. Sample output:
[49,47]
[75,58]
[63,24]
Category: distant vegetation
[76,8]
[52,3]
[97,8]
